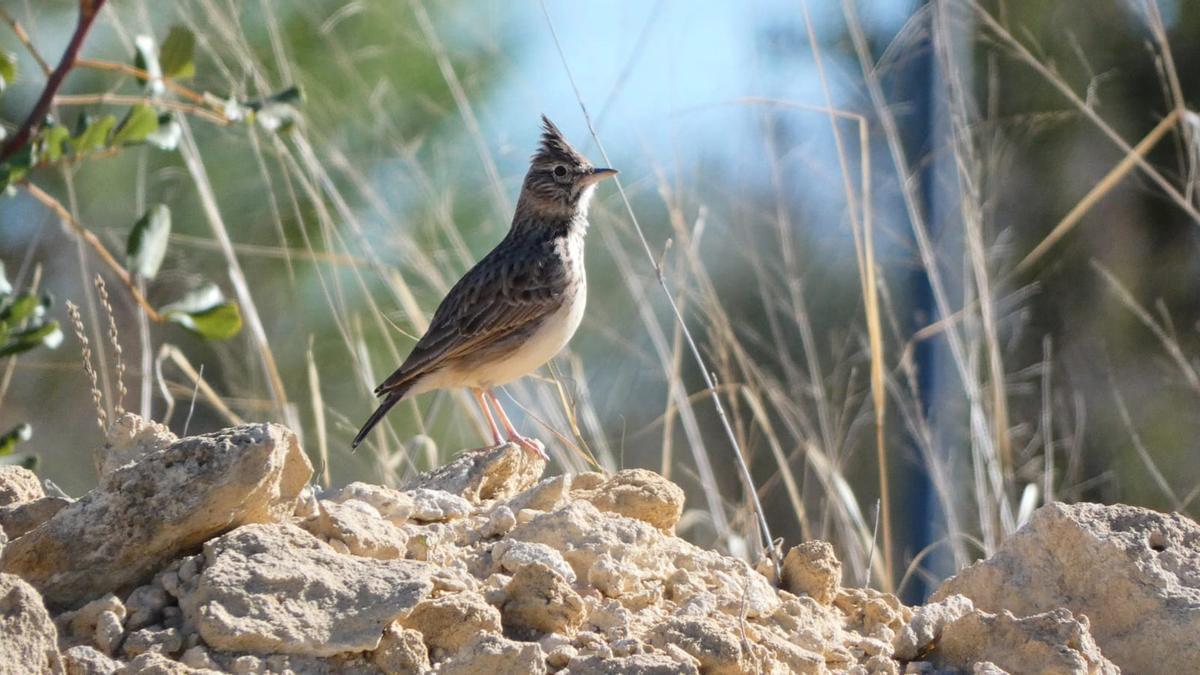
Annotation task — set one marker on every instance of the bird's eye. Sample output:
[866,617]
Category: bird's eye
[560,171]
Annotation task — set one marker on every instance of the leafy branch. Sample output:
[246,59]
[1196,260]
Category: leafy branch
[42,141]
[88,9]
[23,326]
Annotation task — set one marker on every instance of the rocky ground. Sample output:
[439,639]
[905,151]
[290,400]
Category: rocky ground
[213,553]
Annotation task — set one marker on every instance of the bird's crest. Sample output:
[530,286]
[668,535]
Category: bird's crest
[555,148]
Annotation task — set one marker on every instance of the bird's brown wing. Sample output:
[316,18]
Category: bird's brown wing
[516,285]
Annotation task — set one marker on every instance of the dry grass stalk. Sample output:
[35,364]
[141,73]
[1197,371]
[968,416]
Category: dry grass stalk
[114,338]
[86,351]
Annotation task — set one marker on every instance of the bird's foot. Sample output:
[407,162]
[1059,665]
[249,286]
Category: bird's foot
[531,445]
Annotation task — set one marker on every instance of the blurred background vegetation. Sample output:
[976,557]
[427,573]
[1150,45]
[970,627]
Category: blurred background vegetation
[956,239]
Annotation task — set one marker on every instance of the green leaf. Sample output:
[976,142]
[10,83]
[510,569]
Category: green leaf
[148,241]
[19,309]
[47,334]
[141,121]
[52,141]
[8,69]
[9,175]
[94,136]
[207,313]
[17,166]
[8,442]
[218,323]
[177,54]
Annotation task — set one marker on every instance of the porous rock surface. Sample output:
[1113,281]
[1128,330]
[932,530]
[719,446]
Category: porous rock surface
[18,485]
[1134,573]
[481,567]
[147,513]
[28,639]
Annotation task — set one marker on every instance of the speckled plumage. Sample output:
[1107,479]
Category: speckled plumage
[519,305]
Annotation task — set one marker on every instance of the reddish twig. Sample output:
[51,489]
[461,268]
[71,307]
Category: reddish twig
[113,66]
[88,9]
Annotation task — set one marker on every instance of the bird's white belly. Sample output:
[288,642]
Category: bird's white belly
[554,334]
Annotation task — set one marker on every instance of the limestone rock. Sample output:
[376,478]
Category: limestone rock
[402,650]
[143,515]
[278,589]
[451,621]
[494,655]
[497,473]
[500,522]
[145,606]
[18,519]
[512,555]
[586,565]
[109,632]
[129,439]
[545,495]
[640,494]
[584,536]
[1053,642]
[92,623]
[167,641]
[812,569]
[85,660]
[435,506]
[926,626]
[588,480]
[28,638]
[198,657]
[1134,573]
[18,485]
[656,663]
[362,530]
[153,663]
[539,600]
[718,650]
[581,534]
[392,505]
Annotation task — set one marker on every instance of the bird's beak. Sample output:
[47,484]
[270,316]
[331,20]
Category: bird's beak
[598,174]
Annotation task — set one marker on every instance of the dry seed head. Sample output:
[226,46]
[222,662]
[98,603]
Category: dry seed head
[86,349]
[113,337]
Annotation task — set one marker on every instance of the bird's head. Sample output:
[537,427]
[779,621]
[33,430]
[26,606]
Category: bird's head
[560,181]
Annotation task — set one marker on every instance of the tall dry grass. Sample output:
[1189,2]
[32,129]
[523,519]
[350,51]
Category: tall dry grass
[365,280]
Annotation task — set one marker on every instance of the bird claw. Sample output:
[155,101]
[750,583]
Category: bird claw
[531,445]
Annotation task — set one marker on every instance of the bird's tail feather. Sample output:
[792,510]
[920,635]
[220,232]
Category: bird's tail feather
[393,397]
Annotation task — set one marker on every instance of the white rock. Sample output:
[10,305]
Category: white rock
[28,638]
[431,506]
[512,555]
[1133,572]
[278,589]
[393,505]
[18,485]
[144,515]
[85,660]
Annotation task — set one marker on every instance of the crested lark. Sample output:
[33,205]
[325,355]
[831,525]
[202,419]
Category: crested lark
[519,305]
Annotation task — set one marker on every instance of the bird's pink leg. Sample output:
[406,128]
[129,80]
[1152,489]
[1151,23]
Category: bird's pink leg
[487,414]
[531,445]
